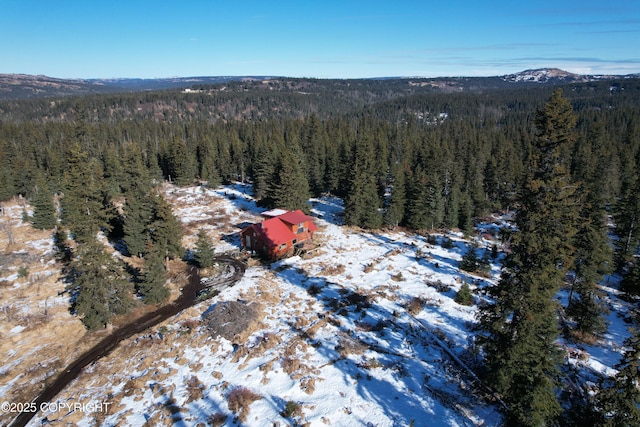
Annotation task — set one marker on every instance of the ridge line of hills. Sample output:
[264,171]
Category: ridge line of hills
[24,86]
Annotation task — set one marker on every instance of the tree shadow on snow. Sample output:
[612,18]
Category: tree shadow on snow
[386,356]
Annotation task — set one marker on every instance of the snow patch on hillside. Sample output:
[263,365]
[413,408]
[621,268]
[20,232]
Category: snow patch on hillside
[340,341]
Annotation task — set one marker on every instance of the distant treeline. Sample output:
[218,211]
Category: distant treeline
[425,160]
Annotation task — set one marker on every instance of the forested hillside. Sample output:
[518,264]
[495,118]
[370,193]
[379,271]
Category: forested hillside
[399,153]
[448,157]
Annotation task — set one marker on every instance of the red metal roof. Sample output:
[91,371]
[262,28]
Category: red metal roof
[295,217]
[275,232]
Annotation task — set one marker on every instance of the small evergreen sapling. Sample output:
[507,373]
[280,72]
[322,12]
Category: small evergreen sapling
[464,296]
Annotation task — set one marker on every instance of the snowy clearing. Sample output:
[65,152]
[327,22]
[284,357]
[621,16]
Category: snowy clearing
[340,340]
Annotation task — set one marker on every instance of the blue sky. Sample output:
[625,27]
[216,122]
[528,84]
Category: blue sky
[324,39]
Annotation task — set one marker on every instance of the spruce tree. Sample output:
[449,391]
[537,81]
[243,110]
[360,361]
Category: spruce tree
[464,295]
[137,212]
[619,397]
[313,142]
[44,211]
[153,287]
[394,213]
[470,261]
[204,251]
[592,257]
[103,287]
[206,157]
[262,173]
[631,281]
[290,187]
[135,178]
[180,163]
[138,216]
[520,328]
[362,203]
[418,212]
[465,215]
[434,203]
[165,230]
[83,210]
[627,218]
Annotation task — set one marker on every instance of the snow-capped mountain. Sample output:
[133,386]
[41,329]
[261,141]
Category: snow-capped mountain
[557,76]
[546,75]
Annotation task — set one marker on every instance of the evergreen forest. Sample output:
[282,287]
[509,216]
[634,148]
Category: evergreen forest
[566,159]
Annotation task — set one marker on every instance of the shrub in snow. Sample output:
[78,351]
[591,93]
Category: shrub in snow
[239,399]
[218,419]
[447,243]
[291,409]
[23,272]
[397,277]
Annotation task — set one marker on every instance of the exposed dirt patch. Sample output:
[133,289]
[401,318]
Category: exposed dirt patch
[234,320]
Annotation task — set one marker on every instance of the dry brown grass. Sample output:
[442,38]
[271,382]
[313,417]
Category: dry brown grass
[414,306]
[370,363]
[290,365]
[294,346]
[218,419]
[311,331]
[333,270]
[239,400]
[195,388]
[348,345]
[583,337]
[133,386]
[397,277]
[308,385]
[189,325]
[267,341]
[240,353]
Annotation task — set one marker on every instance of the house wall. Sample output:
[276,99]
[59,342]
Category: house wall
[305,235]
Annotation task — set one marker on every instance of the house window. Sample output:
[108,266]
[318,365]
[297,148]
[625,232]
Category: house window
[294,241]
[282,246]
[300,228]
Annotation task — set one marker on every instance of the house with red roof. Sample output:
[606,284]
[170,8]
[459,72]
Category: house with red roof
[280,234]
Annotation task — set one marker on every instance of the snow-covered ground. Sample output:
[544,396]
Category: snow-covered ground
[340,340]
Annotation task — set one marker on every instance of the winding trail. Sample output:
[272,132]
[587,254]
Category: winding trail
[233,272]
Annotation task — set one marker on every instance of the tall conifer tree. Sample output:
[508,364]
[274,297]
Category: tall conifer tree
[627,217]
[362,203]
[138,215]
[520,328]
[204,250]
[153,287]
[44,211]
[592,257]
[394,213]
[619,397]
[290,187]
[103,286]
[165,230]
[83,210]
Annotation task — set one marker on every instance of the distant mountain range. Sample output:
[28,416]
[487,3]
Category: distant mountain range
[22,86]
[556,75]
[17,86]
